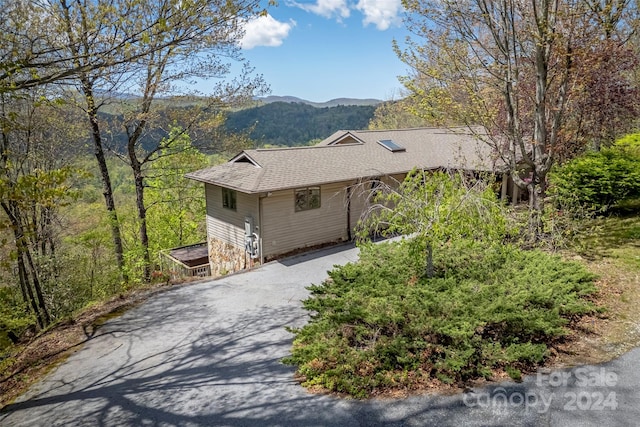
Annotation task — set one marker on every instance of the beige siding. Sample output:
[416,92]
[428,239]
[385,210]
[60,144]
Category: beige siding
[226,224]
[284,229]
[361,196]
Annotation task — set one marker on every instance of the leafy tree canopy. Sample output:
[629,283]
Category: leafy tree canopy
[435,207]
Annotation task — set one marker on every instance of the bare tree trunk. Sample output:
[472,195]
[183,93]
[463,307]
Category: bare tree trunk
[134,135]
[142,217]
[27,290]
[27,271]
[107,188]
[429,269]
[92,114]
[35,279]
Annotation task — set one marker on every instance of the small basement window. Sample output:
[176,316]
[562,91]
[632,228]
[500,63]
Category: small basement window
[307,198]
[391,146]
[229,199]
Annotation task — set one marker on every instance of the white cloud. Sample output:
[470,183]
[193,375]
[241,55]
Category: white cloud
[381,13]
[265,31]
[326,8]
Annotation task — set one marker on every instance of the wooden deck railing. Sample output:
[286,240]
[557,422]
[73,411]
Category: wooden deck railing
[177,269]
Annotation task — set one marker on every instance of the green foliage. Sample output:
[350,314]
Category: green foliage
[14,315]
[437,207]
[89,266]
[630,144]
[134,264]
[176,204]
[398,115]
[379,323]
[46,188]
[600,180]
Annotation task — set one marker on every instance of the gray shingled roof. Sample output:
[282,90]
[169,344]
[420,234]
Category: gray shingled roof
[262,170]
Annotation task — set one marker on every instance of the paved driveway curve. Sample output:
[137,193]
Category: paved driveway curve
[209,355]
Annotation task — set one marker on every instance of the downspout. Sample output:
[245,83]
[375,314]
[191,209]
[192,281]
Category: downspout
[206,225]
[260,197]
[349,213]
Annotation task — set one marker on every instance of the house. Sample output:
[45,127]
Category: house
[265,203]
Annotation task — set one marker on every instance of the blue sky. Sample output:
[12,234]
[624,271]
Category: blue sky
[325,49]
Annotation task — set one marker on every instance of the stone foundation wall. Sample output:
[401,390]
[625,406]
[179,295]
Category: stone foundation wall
[225,258]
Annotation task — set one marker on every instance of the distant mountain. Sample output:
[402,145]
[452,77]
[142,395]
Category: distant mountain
[296,123]
[331,103]
[282,123]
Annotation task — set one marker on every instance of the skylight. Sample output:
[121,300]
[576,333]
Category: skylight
[391,146]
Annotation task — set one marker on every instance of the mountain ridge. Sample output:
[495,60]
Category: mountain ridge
[294,123]
[331,103]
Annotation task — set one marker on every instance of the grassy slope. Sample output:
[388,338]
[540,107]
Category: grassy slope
[611,249]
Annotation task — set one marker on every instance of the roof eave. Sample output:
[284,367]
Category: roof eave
[225,185]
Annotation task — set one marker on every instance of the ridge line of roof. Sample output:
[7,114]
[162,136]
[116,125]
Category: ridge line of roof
[443,128]
[432,128]
[303,147]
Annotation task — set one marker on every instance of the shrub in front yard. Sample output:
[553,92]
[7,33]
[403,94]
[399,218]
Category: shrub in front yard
[599,180]
[381,324]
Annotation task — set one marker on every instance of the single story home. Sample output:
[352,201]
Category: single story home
[265,203]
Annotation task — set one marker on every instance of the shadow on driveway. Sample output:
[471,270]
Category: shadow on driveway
[209,355]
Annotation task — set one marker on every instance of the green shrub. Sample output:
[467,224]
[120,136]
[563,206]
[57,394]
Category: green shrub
[14,316]
[380,323]
[597,181]
[630,144]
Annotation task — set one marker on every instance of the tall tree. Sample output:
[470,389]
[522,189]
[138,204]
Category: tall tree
[33,186]
[89,31]
[178,42]
[209,34]
[175,204]
[510,66]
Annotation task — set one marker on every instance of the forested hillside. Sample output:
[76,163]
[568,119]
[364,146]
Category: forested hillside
[275,123]
[282,123]
[95,139]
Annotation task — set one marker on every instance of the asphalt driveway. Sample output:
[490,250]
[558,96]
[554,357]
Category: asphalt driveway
[209,355]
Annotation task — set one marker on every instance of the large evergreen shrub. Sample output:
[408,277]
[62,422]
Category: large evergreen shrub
[381,323]
[600,180]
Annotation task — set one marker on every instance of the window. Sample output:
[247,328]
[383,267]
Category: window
[391,145]
[229,199]
[375,185]
[307,198]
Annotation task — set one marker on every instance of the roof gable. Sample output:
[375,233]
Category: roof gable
[346,138]
[244,158]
